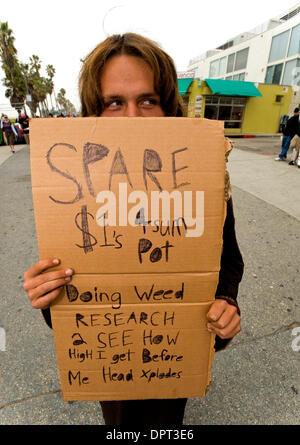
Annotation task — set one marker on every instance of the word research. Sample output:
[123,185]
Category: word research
[184,205]
[115,434]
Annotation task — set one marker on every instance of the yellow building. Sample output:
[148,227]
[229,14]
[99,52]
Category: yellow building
[246,108]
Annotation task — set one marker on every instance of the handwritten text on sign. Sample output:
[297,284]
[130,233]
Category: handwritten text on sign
[136,208]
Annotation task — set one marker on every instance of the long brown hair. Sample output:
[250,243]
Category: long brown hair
[162,65]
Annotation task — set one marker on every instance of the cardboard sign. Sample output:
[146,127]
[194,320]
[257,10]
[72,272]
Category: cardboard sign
[136,208]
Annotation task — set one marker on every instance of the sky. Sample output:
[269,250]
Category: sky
[61,32]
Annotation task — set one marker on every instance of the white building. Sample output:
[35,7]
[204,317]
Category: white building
[268,54]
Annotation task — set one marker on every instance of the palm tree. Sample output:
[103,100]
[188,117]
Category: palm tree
[24,78]
[35,63]
[61,100]
[14,81]
[64,102]
[33,104]
[39,83]
[7,47]
[50,70]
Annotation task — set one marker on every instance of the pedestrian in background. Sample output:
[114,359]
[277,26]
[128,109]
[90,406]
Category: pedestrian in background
[24,122]
[10,132]
[288,133]
[295,145]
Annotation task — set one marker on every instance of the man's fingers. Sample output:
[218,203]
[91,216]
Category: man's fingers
[40,267]
[41,279]
[216,310]
[46,287]
[43,287]
[225,318]
[45,301]
[230,330]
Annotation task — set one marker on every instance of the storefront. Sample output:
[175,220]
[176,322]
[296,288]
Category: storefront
[229,109]
[245,107]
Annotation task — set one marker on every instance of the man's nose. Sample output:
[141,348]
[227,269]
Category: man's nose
[132,110]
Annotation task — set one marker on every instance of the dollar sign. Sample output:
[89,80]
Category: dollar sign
[84,228]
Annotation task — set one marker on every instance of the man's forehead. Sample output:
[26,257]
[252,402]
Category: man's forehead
[120,95]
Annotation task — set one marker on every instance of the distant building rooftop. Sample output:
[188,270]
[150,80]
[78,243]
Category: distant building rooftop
[266,26]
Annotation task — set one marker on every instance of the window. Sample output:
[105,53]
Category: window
[279,46]
[214,68]
[225,100]
[230,63]
[224,113]
[291,14]
[240,76]
[274,74]
[278,98]
[226,108]
[212,100]
[236,62]
[237,113]
[292,73]
[294,47]
[269,74]
[211,112]
[217,67]
[239,101]
[227,45]
[241,59]
[222,69]
[277,74]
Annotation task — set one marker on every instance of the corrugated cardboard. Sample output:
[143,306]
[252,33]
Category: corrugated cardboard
[132,322]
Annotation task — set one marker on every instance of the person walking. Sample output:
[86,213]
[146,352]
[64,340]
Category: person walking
[295,144]
[288,133]
[24,122]
[10,132]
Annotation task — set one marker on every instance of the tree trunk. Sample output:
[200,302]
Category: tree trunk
[32,108]
[51,102]
[56,104]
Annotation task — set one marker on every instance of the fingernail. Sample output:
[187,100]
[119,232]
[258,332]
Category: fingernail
[56,261]
[209,328]
[69,272]
[67,278]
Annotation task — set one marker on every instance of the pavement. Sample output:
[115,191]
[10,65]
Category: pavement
[5,152]
[253,169]
[255,381]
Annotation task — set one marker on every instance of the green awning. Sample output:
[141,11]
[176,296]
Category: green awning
[233,88]
[183,85]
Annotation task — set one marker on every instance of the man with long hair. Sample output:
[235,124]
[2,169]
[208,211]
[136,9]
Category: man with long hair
[130,75]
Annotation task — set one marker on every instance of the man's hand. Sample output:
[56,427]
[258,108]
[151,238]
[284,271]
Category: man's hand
[223,319]
[44,286]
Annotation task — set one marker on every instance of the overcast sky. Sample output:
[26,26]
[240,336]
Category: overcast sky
[61,32]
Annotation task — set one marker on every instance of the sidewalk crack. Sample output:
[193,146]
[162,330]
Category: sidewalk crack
[26,399]
[289,327]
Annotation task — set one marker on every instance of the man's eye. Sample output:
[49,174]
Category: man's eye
[149,102]
[113,104]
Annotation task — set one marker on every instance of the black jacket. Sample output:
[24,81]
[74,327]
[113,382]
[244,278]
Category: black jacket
[292,126]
